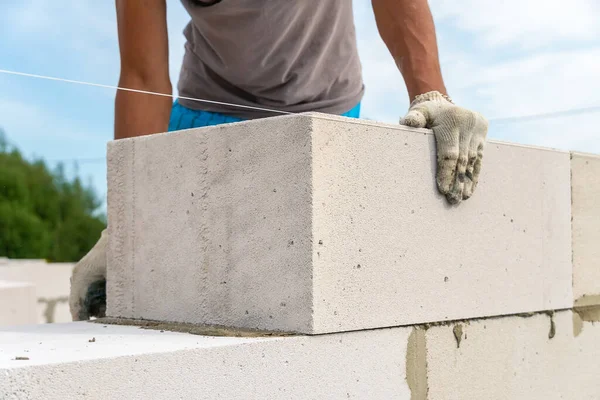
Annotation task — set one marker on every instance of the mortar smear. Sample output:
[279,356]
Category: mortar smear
[589,314]
[458,333]
[416,364]
[204,330]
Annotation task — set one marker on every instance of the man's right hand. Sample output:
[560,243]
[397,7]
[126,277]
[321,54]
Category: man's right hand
[88,283]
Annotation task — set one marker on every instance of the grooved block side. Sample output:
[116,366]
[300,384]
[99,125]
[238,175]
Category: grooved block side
[120,248]
[586,228]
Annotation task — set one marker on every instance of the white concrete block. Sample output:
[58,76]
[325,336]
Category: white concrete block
[130,363]
[314,224]
[514,358]
[507,358]
[586,228]
[52,282]
[51,279]
[17,303]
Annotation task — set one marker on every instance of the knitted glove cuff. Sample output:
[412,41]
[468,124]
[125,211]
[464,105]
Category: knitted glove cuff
[429,96]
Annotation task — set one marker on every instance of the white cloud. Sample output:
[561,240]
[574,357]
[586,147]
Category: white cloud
[522,24]
[86,33]
[69,39]
[540,83]
[529,58]
[554,68]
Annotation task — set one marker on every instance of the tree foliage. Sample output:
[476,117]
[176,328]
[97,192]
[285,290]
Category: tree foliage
[42,213]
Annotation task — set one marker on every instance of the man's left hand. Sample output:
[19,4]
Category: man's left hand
[460,136]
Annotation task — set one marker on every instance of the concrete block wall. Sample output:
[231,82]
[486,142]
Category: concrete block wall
[507,358]
[529,357]
[330,232]
[51,282]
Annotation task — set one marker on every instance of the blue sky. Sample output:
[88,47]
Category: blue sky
[503,59]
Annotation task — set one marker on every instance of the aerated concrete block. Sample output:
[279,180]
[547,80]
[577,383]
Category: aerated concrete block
[88,360]
[313,224]
[586,228]
[52,285]
[540,357]
[512,358]
[17,303]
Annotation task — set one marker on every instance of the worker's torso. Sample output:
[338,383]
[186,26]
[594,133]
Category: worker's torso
[289,55]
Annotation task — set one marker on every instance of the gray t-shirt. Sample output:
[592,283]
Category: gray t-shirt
[288,55]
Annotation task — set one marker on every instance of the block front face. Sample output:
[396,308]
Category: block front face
[119,252]
[390,251]
[538,357]
[212,225]
[132,363]
[586,228]
[514,358]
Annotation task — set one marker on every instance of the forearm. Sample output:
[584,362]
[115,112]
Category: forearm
[407,28]
[144,51]
[138,114]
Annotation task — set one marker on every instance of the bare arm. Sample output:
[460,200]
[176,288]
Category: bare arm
[144,50]
[407,28]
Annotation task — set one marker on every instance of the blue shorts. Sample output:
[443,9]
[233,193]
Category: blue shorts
[186,118]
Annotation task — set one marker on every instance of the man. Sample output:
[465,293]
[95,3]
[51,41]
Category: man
[283,55]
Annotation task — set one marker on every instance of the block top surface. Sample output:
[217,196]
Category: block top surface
[14,284]
[79,341]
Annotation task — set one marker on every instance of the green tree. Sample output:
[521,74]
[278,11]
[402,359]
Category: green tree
[42,213]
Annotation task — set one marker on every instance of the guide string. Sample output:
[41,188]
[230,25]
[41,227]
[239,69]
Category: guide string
[511,119]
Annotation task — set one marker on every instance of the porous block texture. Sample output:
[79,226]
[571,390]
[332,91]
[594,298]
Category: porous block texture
[537,357]
[87,360]
[512,358]
[17,303]
[586,228]
[315,224]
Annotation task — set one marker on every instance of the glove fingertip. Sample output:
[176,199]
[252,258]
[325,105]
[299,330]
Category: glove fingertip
[442,188]
[454,198]
[414,120]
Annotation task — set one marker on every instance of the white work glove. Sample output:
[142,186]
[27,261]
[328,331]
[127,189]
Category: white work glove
[460,136]
[88,283]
